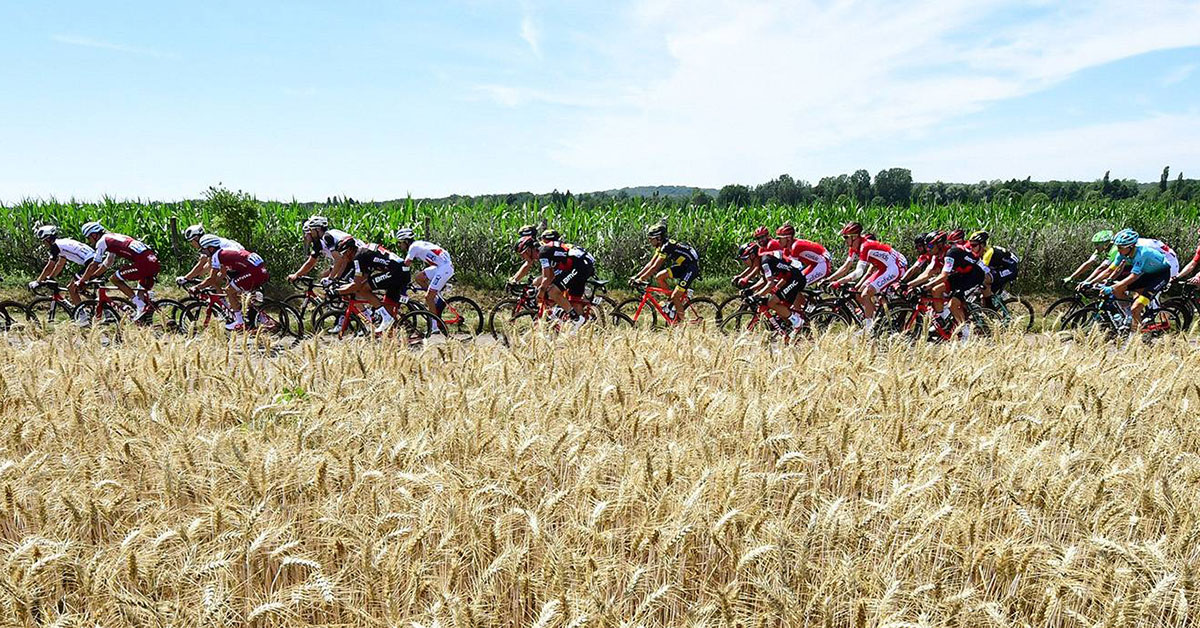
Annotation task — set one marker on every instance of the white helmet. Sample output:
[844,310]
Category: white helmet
[92,228]
[316,222]
[193,232]
[209,241]
[405,234]
[45,232]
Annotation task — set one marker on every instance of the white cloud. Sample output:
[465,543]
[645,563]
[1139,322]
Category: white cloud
[1178,75]
[759,88]
[529,32]
[87,42]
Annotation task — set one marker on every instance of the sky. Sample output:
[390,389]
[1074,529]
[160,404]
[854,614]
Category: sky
[385,99]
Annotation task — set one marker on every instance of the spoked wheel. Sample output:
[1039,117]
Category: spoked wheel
[419,328]
[198,316]
[700,313]
[1162,321]
[335,324]
[1058,311]
[985,322]
[827,320]
[729,306]
[1016,313]
[49,312]
[501,318]
[13,316]
[166,316]
[744,322]
[275,318]
[1183,307]
[903,322]
[463,317]
[1090,318]
[644,318]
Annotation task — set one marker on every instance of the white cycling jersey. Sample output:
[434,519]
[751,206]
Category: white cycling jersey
[429,253]
[74,251]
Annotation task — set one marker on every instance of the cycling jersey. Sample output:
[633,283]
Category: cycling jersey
[116,245]
[327,244]
[75,251]
[383,269]
[789,273]
[427,252]
[887,264]
[246,269]
[960,261]
[226,243]
[1146,260]
[677,253]
[1196,257]
[562,257]
[999,258]
[771,245]
[812,256]
[854,249]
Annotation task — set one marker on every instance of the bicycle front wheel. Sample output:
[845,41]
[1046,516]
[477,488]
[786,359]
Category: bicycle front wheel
[643,316]
[463,317]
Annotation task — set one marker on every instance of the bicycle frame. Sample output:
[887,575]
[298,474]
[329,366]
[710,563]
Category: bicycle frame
[648,297]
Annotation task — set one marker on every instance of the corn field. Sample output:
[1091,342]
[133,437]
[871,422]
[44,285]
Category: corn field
[599,479]
[1050,238]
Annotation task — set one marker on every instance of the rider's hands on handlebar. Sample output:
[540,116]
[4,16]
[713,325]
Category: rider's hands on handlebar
[33,285]
[181,281]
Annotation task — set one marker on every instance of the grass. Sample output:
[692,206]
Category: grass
[1051,238]
[599,480]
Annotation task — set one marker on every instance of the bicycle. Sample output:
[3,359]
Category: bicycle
[412,327]
[525,299]
[1107,315]
[273,317]
[555,319]
[697,312]
[1013,311]
[53,308]
[921,321]
[757,317]
[461,315]
[1185,304]
[1068,305]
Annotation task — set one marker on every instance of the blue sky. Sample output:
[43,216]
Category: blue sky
[378,100]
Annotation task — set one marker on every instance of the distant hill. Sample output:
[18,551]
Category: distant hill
[662,191]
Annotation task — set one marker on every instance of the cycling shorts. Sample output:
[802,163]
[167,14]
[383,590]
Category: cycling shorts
[142,269]
[685,274]
[574,281]
[438,276]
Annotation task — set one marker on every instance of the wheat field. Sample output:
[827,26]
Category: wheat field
[600,479]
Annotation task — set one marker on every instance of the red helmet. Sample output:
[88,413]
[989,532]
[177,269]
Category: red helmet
[761,232]
[786,229]
[852,228]
[870,236]
[936,238]
[526,243]
[747,251]
[957,236]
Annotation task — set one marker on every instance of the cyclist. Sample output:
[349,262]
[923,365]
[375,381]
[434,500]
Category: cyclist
[526,248]
[957,237]
[376,268]
[324,242]
[1118,270]
[783,285]
[565,271]
[848,272]
[961,271]
[62,250]
[813,257]
[192,236]
[245,270]
[879,268]
[1000,264]
[1104,255]
[1191,267]
[438,267]
[766,244]
[1149,273]
[684,267]
[142,268]
[923,261]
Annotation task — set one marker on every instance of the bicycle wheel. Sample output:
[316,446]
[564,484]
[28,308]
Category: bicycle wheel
[13,316]
[166,316]
[48,311]
[985,322]
[646,318]
[1161,321]
[1183,307]
[830,320]
[333,324]
[1092,318]
[299,302]
[198,316]
[91,313]
[700,313]
[730,305]
[418,328]
[502,315]
[1061,309]
[1017,313]
[904,322]
[744,322]
[276,318]
[463,317]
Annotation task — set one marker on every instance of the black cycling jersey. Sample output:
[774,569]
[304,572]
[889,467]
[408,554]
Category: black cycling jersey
[563,257]
[961,261]
[776,267]
[678,253]
[999,258]
[373,259]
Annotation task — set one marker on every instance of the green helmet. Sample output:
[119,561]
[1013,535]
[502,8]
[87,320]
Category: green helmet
[1103,237]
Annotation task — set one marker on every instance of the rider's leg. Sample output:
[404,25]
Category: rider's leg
[1139,308]
[559,297]
[778,306]
[73,293]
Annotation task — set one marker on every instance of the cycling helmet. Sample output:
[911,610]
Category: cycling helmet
[937,238]
[761,232]
[345,244]
[747,251]
[870,236]
[316,222]
[657,231]
[209,241]
[1127,237]
[45,232]
[92,228]
[786,230]
[852,228]
[979,237]
[404,233]
[921,241]
[550,235]
[527,231]
[525,243]
[957,235]
[193,232]
[1102,237]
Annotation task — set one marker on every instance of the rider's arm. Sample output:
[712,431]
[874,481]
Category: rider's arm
[360,280]
[338,266]
[524,270]
[1186,270]
[650,268]
[48,269]
[547,280]
[215,275]
[841,271]
[198,269]
[913,272]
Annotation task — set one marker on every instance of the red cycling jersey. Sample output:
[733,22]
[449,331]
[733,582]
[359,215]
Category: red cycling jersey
[772,245]
[237,261]
[1196,258]
[879,255]
[809,253]
[122,246]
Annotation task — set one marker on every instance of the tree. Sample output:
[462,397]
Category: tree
[860,186]
[735,195]
[700,198]
[894,185]
[1162,182]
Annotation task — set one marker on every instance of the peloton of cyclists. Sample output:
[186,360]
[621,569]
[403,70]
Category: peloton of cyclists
[62,250]
[961,272]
